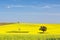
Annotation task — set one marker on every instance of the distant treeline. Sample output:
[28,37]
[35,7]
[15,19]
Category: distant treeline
[5,23]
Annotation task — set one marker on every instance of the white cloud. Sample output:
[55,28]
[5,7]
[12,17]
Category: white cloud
[32,6]
[8,6]
[17,6]
[53,5]
[46,6]
[14,6]
[56,5]
[52,14]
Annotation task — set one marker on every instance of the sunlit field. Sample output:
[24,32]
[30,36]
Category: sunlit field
[30,28]
[29,31]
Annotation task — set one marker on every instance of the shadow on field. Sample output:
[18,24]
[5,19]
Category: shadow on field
[17,32]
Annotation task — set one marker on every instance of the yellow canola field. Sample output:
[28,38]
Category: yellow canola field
[31,28]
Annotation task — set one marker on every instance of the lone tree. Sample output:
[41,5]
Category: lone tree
[43,28]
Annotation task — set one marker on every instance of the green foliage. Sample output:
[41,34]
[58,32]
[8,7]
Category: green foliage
[43,28]
[29,37]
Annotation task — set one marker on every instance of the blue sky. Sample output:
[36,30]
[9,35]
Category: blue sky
[35,11]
